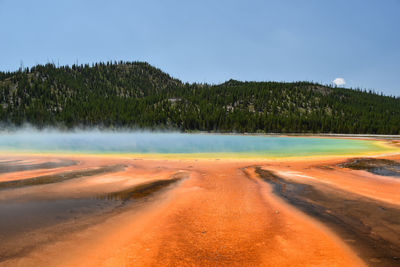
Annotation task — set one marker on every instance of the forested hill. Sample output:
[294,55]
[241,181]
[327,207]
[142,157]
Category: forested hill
[137,95]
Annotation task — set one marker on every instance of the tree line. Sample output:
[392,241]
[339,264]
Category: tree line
[138,95]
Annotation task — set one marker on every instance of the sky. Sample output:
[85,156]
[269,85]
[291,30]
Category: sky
[355,43]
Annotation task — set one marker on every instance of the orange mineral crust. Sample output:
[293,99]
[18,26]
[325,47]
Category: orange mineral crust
[219,213]
[327,171]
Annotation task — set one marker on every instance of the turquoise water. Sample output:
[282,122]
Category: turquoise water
[174,143]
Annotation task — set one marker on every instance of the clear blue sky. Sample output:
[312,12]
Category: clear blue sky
[213,41]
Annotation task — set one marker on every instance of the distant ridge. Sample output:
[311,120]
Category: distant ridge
[138,95]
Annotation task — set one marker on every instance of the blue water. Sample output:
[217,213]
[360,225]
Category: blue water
[175,143]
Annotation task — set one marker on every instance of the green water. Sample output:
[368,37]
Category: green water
[173,143]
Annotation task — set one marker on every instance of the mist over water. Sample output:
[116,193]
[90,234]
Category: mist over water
[98,142]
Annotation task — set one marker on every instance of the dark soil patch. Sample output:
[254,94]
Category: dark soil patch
[11,166]
[143,190]
[59,177]
[370,227]
[382,167]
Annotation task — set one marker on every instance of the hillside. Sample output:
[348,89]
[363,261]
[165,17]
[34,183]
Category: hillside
[137,95]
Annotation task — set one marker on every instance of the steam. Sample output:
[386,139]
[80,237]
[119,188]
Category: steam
[96,141]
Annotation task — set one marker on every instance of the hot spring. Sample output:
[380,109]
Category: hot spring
[177,144]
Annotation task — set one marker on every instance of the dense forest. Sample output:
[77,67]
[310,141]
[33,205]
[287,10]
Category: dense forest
[137,95]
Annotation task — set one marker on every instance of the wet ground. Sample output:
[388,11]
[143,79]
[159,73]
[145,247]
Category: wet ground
[369,226]
[29,222]
[58,177]
[19,165]
[135,212]
[377,166]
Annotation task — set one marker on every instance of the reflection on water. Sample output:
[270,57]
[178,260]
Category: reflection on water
[24,216]
[26,225]
[25,222]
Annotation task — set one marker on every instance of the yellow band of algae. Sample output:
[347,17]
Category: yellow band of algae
[383,148]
